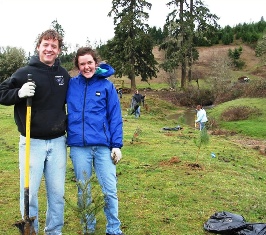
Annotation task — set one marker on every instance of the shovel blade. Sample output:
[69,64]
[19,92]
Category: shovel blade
[26,226]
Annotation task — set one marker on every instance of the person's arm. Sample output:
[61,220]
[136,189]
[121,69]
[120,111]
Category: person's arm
[9,92]
[13,89]
[116,126]
[115,121]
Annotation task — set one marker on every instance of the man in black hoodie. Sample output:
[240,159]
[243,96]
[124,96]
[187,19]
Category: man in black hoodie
[136,101]
[48,124]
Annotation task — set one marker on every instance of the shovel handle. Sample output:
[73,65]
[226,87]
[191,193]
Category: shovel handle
[27,155]
[28,123]
[26,226]
[29,99]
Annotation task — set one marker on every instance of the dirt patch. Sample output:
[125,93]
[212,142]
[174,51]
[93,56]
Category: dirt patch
[195,166]
[172,161]
[259,145]
[246,142]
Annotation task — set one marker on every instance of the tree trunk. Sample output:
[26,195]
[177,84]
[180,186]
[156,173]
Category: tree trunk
[132,75]
[183,74]
[190,56]
[133,81]
[183,66]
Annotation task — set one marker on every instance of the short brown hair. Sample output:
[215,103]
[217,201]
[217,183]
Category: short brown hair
[199,106]
[84,51]
[50,34]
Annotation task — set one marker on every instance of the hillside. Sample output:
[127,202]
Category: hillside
[207,54]
[252,68]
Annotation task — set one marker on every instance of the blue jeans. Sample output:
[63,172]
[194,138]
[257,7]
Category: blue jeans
[137,112]
[48,158]
[83,158]
[201,125]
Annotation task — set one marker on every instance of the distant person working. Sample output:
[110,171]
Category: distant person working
[201,117]
[137,99]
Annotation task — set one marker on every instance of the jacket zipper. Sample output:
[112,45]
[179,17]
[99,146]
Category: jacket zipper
[83,111]
[104,130]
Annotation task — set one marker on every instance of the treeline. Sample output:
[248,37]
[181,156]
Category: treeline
[248,33]
[12,58]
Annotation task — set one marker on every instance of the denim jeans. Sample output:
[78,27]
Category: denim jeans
[201,125]
[99,157]
[137,112]
[48,158]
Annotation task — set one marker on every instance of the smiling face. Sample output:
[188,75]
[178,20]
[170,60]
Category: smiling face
[48,51]
[86,65]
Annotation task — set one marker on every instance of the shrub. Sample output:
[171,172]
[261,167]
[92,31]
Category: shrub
[11,58]
[234,55]
[239,113]
[192,96]
[255,89]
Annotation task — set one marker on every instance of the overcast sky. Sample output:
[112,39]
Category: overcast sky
[22,20]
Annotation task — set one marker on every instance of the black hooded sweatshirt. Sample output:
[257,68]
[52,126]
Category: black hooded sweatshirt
[48,113]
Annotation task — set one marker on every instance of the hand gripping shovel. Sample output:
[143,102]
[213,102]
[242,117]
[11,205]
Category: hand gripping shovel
[26,225]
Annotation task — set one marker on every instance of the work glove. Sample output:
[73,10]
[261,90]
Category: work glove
[116,155]
[27,90]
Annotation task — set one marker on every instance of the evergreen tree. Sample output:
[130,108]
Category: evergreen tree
[130,51]
[157,35]
[187,21]
[260,50]
[59,29]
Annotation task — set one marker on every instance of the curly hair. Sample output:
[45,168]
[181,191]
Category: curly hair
[50,34]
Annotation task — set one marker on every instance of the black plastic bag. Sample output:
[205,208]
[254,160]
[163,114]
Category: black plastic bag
[232,224]
[253,229]
[225,223]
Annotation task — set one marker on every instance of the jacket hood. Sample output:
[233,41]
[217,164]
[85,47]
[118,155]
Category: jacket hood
[104,71]
[35,61]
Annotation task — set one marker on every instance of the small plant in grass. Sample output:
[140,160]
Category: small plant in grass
[202,139]
[89,204]
[181,119]
[136,134]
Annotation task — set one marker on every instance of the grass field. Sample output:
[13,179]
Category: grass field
[162,187]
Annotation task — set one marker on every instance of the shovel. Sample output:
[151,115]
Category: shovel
[26,225]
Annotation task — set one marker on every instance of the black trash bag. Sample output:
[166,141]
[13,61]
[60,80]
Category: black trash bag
[224,222]
[253,229]
[177,128]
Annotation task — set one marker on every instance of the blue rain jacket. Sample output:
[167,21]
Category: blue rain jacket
[94,112]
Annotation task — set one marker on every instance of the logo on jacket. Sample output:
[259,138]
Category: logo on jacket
[60,80]
[98,93]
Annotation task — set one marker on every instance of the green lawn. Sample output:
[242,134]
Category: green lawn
[253,126]
[162,187]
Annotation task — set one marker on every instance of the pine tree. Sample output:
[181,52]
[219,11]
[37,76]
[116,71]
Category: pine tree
[130,51]
[186,23]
